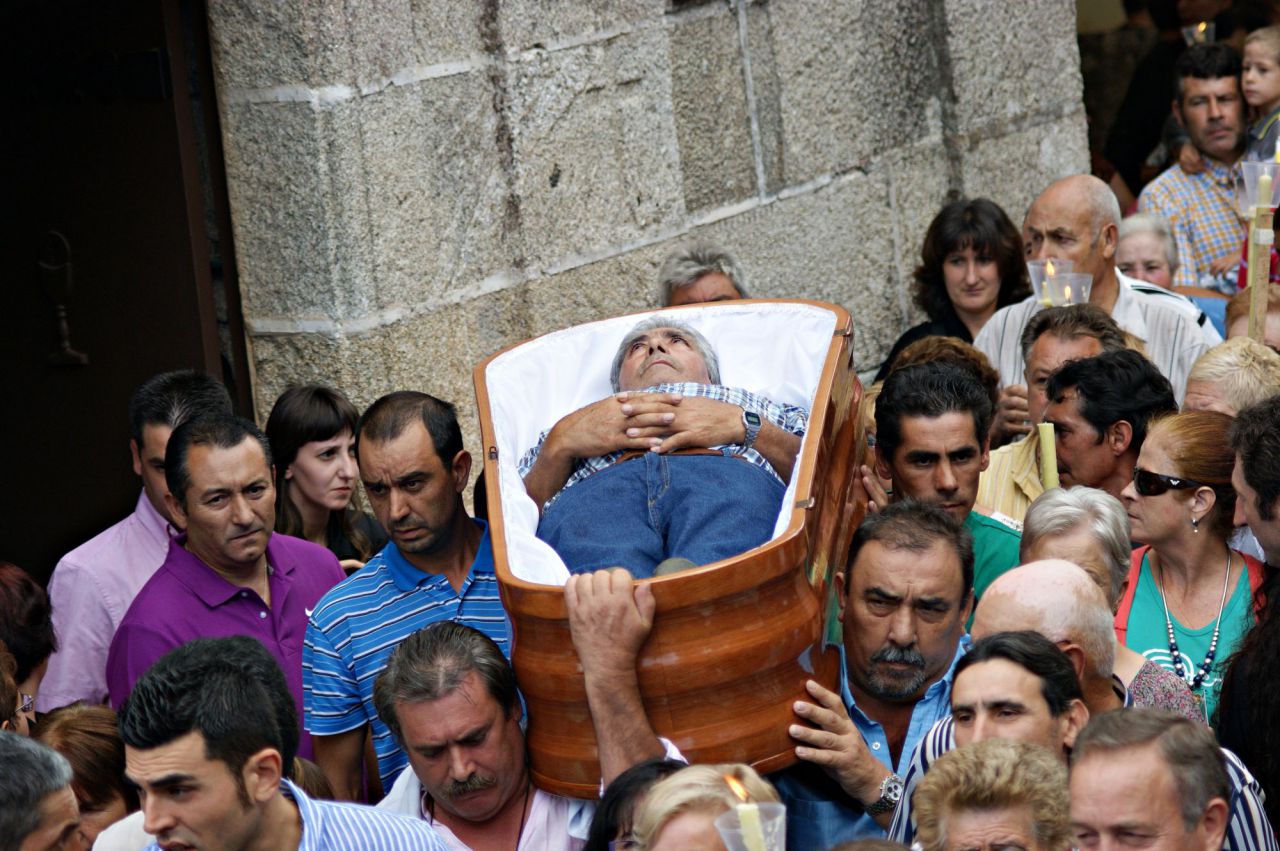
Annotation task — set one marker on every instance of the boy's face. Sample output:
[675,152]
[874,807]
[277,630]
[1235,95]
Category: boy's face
[1261,77]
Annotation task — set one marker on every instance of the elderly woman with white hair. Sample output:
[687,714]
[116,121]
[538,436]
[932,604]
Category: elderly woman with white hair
[1090,528]
[1147,251]
[1232,376]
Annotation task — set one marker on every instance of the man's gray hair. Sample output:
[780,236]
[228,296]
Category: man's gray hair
[434,662]
[1189,749]
[31,772]
[1064,510]
[1156,225]
[1103,207]
[691,261]
[653,323]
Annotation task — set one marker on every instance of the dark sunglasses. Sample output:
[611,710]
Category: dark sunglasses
[1147,483]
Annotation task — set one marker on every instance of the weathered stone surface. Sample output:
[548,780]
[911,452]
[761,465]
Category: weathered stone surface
[713,126]
[856,79]
[624,283]
[532,24]
[768,95]
[1024,65]
[594,147]
[435,188]
[296,210]
[918,183]
[295,43]
[1013,169]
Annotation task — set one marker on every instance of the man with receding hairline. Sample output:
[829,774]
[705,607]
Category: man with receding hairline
[1077,218]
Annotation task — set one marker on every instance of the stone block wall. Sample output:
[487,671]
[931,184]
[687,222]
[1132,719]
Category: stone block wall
[417,183]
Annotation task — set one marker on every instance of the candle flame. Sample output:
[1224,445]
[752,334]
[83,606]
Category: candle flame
[1202,26]
[1048,268]
[1066,293]
[738,788]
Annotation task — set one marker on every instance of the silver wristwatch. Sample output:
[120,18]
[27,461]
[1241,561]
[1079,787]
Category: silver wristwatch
[890,794]
[751,426]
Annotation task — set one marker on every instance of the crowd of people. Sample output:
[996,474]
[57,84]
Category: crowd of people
[297,638]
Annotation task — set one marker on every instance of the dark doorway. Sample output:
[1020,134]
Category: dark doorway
[116,259]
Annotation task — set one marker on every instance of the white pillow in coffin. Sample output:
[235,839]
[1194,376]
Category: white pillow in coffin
[774,349]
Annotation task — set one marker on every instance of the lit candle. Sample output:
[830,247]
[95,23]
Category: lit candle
[748,817]
[1260,239]
[1048,457]
[1264,190]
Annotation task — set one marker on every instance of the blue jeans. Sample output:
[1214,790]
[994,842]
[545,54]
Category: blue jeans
[639,512]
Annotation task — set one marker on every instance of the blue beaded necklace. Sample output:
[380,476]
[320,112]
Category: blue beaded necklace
[1203,671]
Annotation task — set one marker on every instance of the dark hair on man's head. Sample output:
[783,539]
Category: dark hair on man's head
[1255,437]
[434,662]
[616,811]
[1114,387]
[1071,322]
[1035,654]
[939,349]
[1189,749]
[229,690]
[30,773]
[916,526]
[223,431]
[979,224]
[26,620]
[89,738]
[387,418]
[930,390]
[1205,62]
[172,398]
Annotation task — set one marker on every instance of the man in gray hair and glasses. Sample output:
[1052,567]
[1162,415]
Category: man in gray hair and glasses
[672,466]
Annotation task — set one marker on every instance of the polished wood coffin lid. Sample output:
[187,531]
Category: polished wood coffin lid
[732,642]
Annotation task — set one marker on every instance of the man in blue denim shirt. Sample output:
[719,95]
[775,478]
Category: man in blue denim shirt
[904,603]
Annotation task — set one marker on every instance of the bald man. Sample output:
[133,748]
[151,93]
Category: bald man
[1061,602]
[1076,219]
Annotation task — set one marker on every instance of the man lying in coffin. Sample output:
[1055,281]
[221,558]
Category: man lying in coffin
[673,470]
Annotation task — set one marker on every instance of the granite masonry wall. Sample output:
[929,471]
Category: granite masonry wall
[417,183]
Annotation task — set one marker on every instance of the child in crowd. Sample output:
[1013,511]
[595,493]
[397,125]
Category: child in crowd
[1261,83]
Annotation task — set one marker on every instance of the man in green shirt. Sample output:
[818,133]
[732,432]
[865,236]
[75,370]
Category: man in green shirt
[932,425]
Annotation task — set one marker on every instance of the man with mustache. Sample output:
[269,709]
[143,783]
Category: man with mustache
[903,604]
[228,573]
[674,467]
[438,565]
[450,698]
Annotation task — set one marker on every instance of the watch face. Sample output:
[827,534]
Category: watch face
[752,418]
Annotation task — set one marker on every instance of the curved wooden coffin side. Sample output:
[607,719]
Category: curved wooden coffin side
[732,642]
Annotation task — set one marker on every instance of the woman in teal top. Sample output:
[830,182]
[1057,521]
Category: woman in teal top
[1191,601]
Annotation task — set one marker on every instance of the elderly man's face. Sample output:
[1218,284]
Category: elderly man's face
[662,356]
[1059,225]
[59,824]
[903,617]
[1128,798]
[1211,112]
[468,755]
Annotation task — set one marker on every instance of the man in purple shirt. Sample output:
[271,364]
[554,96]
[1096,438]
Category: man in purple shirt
[228,574]
[93,585]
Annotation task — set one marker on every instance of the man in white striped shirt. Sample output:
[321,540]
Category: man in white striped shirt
[1077,219]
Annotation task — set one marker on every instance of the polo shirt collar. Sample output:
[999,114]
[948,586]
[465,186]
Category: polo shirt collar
[1126,312]
[1259,130]
[1221,173]
[153,521]
[407,577]
[204,581]
[308,813]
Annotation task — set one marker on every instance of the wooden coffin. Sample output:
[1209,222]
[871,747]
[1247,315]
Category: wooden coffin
[732,642]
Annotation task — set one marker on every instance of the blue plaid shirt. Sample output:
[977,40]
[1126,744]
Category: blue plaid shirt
[786,417]
[1205,218]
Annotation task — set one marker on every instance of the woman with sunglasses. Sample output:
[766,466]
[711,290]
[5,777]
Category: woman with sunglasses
[312,434]
[1188,600]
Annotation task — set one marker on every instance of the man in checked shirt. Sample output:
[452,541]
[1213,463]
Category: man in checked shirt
[673,465]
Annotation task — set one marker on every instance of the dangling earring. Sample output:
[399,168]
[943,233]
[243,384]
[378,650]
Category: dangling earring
[1195,525]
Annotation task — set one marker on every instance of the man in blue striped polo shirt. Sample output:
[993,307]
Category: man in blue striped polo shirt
[437,566]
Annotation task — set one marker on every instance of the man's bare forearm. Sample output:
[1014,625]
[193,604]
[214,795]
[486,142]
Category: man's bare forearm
[779,447]
[339,758]
[624,735]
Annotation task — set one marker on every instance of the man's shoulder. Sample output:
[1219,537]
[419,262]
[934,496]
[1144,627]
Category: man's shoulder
[1165,189]
[992,528]
[1010,316]
[104,550]
[372,583]
[347,825]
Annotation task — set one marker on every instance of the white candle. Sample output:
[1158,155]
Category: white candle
[752,829]
[1048,457]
